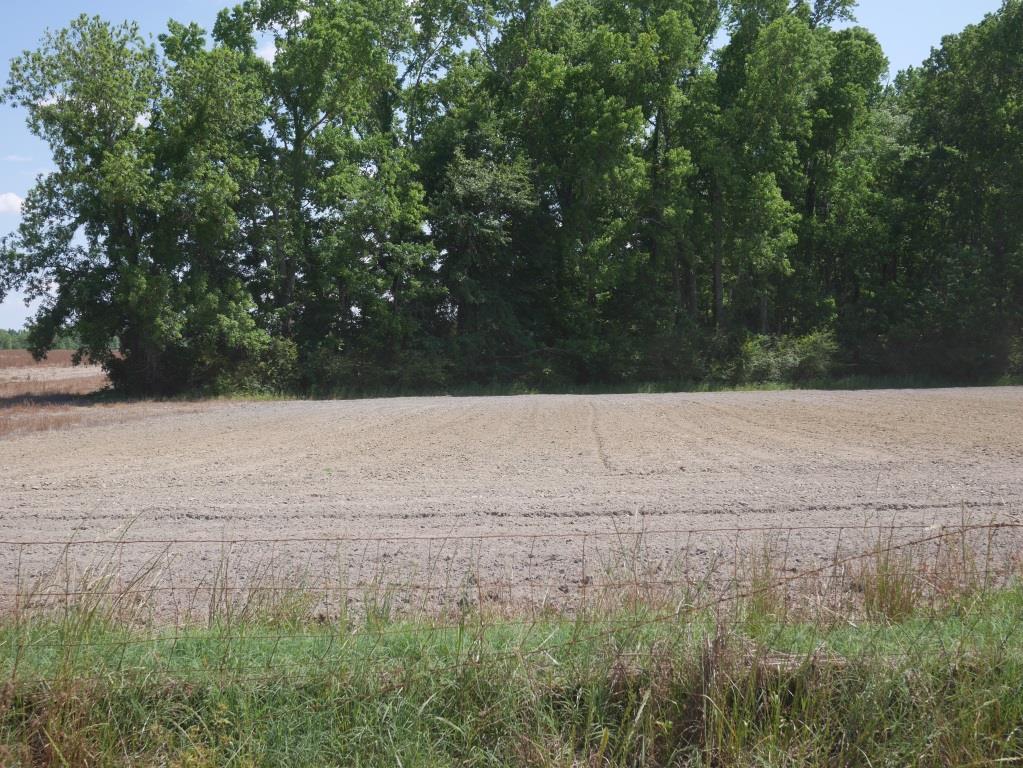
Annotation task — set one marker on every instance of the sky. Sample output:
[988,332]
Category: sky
[907,29]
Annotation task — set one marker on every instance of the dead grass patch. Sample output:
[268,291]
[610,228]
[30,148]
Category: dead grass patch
[31,387]
[22,358]
[45,395]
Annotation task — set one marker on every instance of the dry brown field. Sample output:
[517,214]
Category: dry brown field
[520,489]
[55,374]
[43,395]
[21,358]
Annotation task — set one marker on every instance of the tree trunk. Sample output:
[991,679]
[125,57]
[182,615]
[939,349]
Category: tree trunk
[717,202]
[694,293]
[676,285]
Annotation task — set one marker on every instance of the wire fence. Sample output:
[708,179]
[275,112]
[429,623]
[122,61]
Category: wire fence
[289,607]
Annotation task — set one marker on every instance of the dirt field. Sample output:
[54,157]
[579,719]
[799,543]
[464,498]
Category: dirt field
[22,358]
[47,395]
[21,375]
[569,474]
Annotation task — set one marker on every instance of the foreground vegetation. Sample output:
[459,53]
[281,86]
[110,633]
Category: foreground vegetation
[613,690]
[324,194]
[918,666]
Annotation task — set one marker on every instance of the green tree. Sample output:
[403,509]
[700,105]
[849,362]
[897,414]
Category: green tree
[134,231]
[334,219]
[372,192]
[957,279]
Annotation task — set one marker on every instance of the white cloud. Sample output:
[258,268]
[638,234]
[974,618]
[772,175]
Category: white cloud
[10,203]
[18,159]
[267,51]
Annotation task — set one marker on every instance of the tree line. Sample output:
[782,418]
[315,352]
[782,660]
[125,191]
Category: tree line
[322,194]
[11,338]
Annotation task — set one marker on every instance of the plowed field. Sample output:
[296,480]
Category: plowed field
[438,482]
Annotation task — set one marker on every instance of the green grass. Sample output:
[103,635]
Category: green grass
[909,654]
[636,686]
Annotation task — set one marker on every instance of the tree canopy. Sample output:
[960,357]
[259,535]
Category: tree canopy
[441,192]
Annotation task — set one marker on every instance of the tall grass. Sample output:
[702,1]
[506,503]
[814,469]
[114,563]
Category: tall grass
[905,656]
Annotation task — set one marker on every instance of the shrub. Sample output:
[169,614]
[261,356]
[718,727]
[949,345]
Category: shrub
[786,359]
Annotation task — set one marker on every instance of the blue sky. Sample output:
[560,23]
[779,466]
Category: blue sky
[906,28]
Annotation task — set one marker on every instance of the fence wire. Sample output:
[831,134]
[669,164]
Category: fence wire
[285,608]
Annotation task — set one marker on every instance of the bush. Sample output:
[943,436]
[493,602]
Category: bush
[212,346]
[786,359]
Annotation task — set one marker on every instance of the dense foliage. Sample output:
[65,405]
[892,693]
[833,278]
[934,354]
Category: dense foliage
[472,191]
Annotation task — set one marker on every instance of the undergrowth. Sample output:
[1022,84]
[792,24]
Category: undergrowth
[510,389]
[898,661]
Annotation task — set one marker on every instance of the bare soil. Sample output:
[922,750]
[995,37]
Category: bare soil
[542,492]
[22,376]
